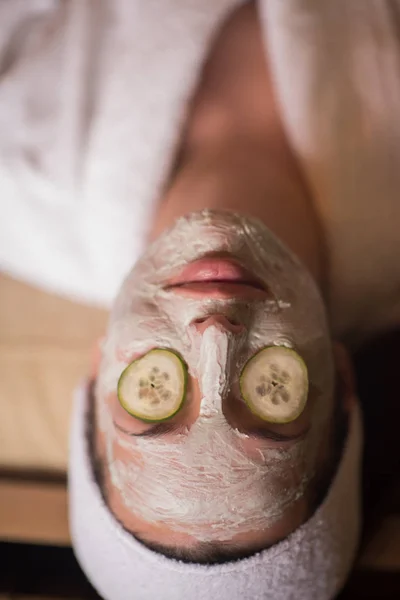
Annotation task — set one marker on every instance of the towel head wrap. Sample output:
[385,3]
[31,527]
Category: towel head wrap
[312,563]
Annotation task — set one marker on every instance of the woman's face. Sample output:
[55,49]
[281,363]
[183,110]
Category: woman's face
[216,289]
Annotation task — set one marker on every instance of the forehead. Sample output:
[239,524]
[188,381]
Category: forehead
[204,483]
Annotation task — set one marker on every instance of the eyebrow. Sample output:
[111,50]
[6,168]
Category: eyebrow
[163,428]
[277,437]
[155,431]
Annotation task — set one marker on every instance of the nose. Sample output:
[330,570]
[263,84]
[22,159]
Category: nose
[219,321]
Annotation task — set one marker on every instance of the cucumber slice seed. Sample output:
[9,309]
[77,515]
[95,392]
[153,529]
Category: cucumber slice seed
[274,384]
[152,388]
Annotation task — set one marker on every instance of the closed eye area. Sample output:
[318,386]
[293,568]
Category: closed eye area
[152,388]
[161,366]
[236,413]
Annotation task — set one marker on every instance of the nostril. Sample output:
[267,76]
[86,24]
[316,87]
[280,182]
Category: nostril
[218,317]
[220,321]
[199,321]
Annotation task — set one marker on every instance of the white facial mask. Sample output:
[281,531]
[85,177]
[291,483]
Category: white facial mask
[203,482]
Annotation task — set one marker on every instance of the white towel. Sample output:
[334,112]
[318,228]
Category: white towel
[91,112]
[311,564]
[93,101]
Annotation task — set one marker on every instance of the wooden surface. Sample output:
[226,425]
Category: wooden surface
[33,512]
[46,344]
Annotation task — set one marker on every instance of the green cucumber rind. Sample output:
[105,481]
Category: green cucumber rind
[185,381]
[253,409]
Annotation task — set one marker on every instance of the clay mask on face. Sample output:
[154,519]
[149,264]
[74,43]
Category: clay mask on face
[199,481]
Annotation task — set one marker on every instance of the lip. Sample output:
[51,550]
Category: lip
[216,277]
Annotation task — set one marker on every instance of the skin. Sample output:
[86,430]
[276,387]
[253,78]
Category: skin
[234,152]
[235,156]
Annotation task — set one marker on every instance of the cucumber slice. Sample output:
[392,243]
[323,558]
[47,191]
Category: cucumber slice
[274,384]
[153,387]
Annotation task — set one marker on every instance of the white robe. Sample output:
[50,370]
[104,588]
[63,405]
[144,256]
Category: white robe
[93,99]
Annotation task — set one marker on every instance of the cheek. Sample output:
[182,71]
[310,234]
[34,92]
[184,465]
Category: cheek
[127,356]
